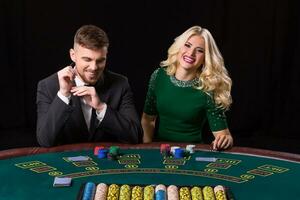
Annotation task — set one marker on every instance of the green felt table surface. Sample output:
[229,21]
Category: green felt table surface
[247,176]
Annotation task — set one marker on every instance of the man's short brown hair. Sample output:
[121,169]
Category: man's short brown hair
[91,37]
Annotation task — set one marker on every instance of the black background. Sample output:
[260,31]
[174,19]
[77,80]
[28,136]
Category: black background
[259,40]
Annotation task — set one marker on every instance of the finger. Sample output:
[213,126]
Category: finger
[224,140]
[215,144]
[219,141]
[69,76]
[75,89]
[227,145]
[71,68]
[79,88]
[81,93]
[230,143]
[224,143]
[212,146]
[71,72]
[66,74]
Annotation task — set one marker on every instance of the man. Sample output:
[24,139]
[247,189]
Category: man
[86,103]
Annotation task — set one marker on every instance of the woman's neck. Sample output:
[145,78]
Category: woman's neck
[184,75]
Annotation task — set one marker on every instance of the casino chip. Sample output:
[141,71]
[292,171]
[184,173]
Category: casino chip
[190,148]
[89,191]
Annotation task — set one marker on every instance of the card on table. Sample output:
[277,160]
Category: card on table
[206,159]
[78,158]
[60,182]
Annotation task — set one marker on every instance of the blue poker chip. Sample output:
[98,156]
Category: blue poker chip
[179,153]
[89,191]
[160,195]
[102,153]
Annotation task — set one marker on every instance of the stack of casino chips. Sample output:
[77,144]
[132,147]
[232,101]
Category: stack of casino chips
[113,192]
[160,192]
[114,152]
[89,191]
[179,153]
[196,193]
[184,193]
[172,192]
[190,148]
[137,193]
[165,149]
[101,191]
[100,152]
[149,192]
[173,148]
[220,192]
[176,151]
[96,150]
[152,192]
[125,192]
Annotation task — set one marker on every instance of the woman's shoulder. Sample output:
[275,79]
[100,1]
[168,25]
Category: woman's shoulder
[158,72]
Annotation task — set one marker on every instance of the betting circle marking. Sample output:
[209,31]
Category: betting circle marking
[55,173]
[211,170]
[247,176]
[131,166]
[92,168]
[171,167]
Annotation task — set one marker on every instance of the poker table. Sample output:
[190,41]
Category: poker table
[28,173]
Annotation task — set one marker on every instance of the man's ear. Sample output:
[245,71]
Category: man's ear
[72,55]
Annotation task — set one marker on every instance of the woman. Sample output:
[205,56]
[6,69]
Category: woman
[191,86]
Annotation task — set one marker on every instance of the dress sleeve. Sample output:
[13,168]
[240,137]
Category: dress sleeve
[150,102]
[215,115]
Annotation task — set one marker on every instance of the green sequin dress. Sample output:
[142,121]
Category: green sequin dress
[182,109]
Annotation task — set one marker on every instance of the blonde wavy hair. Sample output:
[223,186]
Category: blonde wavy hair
[212,75]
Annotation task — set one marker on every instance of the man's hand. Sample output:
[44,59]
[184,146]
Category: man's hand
[223,140]
[66,80]
[90,96]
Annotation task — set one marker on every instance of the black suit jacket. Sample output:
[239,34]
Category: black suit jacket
[59,123]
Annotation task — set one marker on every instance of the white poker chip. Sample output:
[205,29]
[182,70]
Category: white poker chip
[190,148]
[173,149]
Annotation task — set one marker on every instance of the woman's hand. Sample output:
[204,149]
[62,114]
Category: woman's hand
[223,140]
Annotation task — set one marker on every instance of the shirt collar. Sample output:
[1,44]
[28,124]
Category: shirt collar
[79,82]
